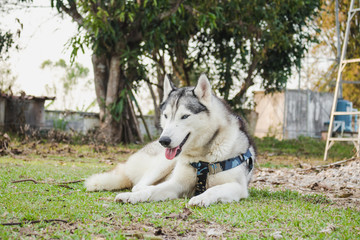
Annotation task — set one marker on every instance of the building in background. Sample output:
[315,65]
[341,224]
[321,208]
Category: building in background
[20,111]
[293,113]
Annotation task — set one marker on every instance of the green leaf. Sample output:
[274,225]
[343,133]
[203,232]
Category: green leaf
[122,17]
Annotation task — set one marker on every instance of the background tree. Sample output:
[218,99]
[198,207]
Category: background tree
[119,33]
[328,46]
[72,77]
[7,78]
[237,42]
[256,39]
[7,41]
[233,41]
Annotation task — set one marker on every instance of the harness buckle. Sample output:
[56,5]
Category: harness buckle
[215,168]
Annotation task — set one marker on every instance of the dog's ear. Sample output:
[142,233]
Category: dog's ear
[168,87]
[203,89]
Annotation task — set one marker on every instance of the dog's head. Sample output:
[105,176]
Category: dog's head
[184,111]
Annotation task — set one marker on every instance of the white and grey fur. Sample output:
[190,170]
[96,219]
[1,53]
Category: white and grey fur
[212,133]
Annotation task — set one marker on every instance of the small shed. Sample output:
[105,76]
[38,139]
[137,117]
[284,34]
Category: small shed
[20,111]
[293,113]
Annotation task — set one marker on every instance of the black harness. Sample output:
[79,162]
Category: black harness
[205,168]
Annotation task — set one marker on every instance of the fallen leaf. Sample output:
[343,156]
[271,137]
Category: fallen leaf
[345,195]
[213,232]
[109,199]
[329,229]
[277,235]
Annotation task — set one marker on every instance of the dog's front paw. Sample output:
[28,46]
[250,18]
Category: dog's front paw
[123,197]
[133,197]
[201,200]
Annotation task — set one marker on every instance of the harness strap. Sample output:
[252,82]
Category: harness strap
[204,168]
[231,163]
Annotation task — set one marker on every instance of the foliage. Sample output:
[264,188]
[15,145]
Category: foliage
[72,73]
[95,215]
[60,124]
[6,41]
[87,108]
[69,79]
[231,40]
[114,32]
[328,40]
[106,27]
[235,41]
[116,109]
[250,39]
[7,79]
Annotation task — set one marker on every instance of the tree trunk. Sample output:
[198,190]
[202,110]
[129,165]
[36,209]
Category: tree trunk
[118,122]
[101,72]
[156,107]
[160,72]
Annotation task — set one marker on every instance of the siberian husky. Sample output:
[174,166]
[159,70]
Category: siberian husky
[203,153]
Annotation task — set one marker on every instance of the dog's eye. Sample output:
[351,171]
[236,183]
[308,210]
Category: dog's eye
[185,116]
[165,115]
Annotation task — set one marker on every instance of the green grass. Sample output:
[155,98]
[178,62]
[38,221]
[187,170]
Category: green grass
[303,147]
[275,166]
[92,215]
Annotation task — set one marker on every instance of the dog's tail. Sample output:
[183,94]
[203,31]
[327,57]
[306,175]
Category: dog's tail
[112,180]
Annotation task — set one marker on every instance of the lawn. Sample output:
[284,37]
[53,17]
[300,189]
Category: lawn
[42,196]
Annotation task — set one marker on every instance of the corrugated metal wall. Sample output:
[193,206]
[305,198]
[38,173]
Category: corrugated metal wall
[306,112]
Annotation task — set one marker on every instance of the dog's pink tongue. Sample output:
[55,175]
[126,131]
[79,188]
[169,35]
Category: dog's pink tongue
[170,153]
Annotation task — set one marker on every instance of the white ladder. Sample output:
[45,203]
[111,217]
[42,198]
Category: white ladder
[343,62]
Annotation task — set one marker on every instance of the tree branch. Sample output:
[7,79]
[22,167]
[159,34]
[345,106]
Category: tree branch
[249,80]
[190,9]
[32,222]
[176,69]
[94,7]
[72,11]
[136,36]
[26,180]
[151,83]
[61,184]
[171,11]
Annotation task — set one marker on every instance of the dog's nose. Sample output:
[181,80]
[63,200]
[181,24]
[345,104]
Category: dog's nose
[165,141]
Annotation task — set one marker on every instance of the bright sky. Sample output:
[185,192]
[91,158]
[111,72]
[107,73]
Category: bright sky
[44,36]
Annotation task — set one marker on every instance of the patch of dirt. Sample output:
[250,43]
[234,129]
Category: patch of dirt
[340,182]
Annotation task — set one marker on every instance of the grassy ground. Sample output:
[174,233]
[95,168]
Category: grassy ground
[289,153]
[47,205]
[304,147]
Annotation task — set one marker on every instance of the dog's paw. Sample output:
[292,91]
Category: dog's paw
[133,197]
[123,197]
[201,201]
